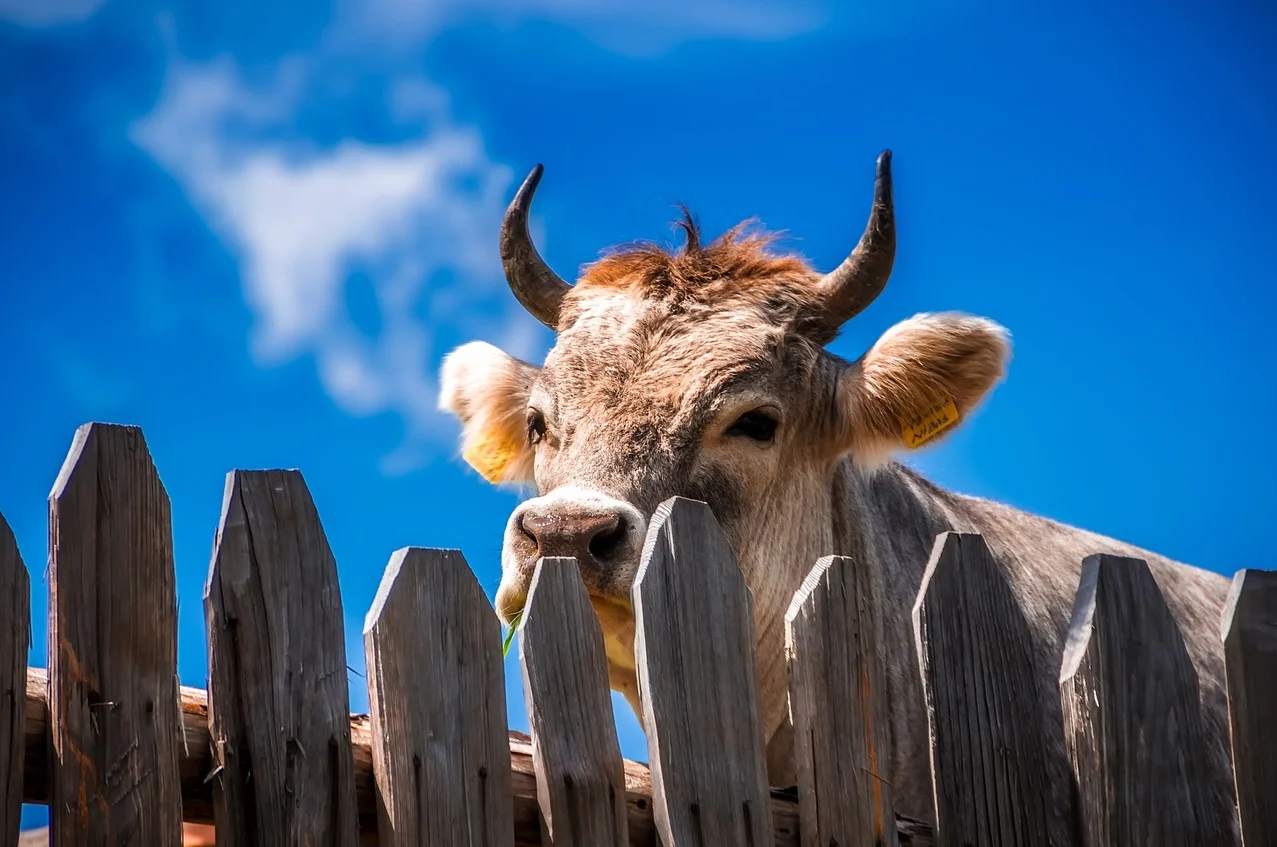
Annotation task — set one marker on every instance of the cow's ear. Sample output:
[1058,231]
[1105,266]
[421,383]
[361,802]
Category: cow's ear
[487,390]
[918,382]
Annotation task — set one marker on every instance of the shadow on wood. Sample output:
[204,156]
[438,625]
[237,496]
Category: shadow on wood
[988,756]
[1250,654]
[1132,714]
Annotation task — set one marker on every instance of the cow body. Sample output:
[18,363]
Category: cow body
[702,373]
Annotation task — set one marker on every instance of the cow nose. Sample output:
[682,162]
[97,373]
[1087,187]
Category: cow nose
[586,537]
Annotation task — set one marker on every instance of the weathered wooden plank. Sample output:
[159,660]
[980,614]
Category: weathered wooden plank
[112,646]
[436,690]
[987,753]
[1132,719]
[837,701]
[1249,630]
[695,660]
[197,792]
[278,697]
[15,641]
[580,778]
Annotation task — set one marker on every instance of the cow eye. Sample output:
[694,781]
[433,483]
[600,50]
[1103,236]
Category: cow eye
[536,426]
[757,425]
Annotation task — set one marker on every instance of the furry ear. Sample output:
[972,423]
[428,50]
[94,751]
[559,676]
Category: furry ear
[918,382]
[487,390]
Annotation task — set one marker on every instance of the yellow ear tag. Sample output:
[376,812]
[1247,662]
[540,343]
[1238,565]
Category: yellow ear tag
[921,428]
[491,455]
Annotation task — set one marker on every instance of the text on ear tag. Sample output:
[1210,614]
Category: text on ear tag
[935,419]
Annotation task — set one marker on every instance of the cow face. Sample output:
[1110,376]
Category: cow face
[702,373]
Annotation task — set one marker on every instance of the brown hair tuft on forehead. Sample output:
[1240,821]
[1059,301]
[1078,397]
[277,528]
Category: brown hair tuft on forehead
[738,256]
[691,230]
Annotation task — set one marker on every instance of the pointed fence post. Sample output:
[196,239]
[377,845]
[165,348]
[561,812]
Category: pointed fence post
[988,755]
[580,776]
[278,700]
[695,658]
[1132,714]
[436,692]
[837,698]
[113,691]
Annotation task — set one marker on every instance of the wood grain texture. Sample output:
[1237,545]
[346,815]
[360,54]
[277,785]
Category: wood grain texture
[695,660]
[1132,720]
[1249,630]
[197,792]
[974,647]
[15,641]
[837,701]
[436,691]
[278,697]
[580,778]
[112,646]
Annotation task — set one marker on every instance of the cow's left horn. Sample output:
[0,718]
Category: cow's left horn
[538,288]
[849,288]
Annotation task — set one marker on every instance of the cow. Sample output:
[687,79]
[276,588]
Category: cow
[702,372]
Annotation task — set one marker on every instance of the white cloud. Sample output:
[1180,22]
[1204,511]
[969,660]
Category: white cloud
[625,26]
[302,219]
[45,13]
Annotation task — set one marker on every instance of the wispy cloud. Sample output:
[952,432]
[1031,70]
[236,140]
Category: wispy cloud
[45,13]
[304,219]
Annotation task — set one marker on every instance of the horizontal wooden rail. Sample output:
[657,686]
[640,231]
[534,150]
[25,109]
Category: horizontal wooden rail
[197,763]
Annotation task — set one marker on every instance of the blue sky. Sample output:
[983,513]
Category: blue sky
[255,230]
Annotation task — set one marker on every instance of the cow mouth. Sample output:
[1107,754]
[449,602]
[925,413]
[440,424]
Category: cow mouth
[616,620]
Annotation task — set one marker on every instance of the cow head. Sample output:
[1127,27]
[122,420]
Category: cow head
[702,373]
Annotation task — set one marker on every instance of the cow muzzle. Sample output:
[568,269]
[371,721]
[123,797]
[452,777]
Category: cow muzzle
[604,535]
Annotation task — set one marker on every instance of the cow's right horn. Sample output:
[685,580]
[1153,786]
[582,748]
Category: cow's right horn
[538,288]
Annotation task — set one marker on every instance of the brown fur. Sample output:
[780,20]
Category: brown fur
[659,353]
[735,259]
[737,269]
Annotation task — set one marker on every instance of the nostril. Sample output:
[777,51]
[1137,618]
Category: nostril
[525,529]
[605,543]
[533,528]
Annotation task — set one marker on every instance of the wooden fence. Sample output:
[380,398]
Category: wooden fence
[272,756]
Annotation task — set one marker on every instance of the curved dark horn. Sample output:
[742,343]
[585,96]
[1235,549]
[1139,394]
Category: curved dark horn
[849,288]
[538,288]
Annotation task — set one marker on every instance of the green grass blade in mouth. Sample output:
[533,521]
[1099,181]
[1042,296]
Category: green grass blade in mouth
[509,634]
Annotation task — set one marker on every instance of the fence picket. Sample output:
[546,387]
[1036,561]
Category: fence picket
[580,778]
[279,710]
[1132,720]
[436,691]
[974,646]
[15,641]
[695,660]
[112,646]
[1249,631]
[837,699]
